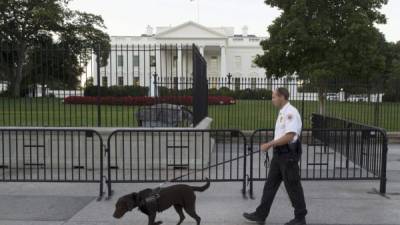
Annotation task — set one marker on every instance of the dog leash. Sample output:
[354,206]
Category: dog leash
[198,171]
[266,161]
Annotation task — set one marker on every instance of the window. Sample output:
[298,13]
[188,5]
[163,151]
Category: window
[237,83]
[152,61]
[89,82]
[253,83]
[176,82]
[174,61]
[214,85]
[174,69]
[120,61]
[136,81]
[135,61]
[214,65]
[120,81]
[253,65]
[238,62]
[104,81]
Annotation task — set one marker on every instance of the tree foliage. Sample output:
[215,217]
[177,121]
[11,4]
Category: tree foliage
[324,40]
[29,27]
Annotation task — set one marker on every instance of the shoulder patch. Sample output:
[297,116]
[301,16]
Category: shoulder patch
[290,116]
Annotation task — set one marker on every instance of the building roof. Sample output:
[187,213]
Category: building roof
[191,29]
[162,31]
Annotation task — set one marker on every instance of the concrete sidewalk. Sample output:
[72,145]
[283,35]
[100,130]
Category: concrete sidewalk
[328,202]
[75,204]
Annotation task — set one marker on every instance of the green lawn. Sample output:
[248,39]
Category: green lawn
[244,115]
[249,115]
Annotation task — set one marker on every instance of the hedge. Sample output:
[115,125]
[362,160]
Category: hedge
[247,94]
[117,91]
[142,100]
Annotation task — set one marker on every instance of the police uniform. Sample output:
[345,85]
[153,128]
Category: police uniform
[284,165]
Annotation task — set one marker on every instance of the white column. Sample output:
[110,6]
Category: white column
[202,50]
[223,61]
[293,91]
[158,71]
[179,69]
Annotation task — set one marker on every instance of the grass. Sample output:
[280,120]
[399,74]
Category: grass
[249,115]
[244,115]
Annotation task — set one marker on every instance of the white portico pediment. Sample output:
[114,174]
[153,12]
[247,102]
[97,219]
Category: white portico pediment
[189,30]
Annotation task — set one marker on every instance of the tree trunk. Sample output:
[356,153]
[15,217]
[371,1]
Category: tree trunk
[321,102]
[16,88]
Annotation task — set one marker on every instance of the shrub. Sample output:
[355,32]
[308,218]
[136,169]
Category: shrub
[253,94]
[117,91]
[164,91]
[391,97]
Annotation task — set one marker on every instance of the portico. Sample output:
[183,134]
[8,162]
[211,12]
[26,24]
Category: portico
[211,44]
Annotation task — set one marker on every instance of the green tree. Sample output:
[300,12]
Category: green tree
[392,72]
[325,42]
[54,66]
[25,26]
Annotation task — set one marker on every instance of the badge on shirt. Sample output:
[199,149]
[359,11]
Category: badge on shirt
[290,116]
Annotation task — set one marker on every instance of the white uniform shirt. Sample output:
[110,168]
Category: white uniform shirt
[288,121]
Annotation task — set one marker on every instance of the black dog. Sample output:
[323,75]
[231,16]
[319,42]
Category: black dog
[152,201]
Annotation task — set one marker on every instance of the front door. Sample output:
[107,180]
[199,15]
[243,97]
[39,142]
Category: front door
[213,67]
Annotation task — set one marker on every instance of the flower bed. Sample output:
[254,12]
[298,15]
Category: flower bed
[142,100]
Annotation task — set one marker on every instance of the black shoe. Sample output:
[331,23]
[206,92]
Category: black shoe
[296,221]
[253,217]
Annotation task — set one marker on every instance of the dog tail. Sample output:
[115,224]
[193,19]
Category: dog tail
[202,188]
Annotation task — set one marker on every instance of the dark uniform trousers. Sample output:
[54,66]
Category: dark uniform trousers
[283,168]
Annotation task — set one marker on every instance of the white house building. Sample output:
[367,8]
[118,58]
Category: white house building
[167,52]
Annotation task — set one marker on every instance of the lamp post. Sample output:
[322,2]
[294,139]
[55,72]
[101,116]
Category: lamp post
[229,76]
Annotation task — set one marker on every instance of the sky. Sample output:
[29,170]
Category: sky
[131,17]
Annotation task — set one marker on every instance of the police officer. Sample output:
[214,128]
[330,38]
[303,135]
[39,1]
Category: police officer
[284,164]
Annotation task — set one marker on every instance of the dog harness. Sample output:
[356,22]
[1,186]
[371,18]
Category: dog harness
[151,202]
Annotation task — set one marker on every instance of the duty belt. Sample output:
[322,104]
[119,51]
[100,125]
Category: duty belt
[288,148]
[279,150]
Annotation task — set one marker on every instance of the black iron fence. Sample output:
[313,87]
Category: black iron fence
[182,155]
[359,148]
[60,88]
[51,155]
[176,156]
[342,154]
[319,121]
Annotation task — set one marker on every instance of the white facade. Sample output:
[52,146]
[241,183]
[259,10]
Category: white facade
[224,52]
